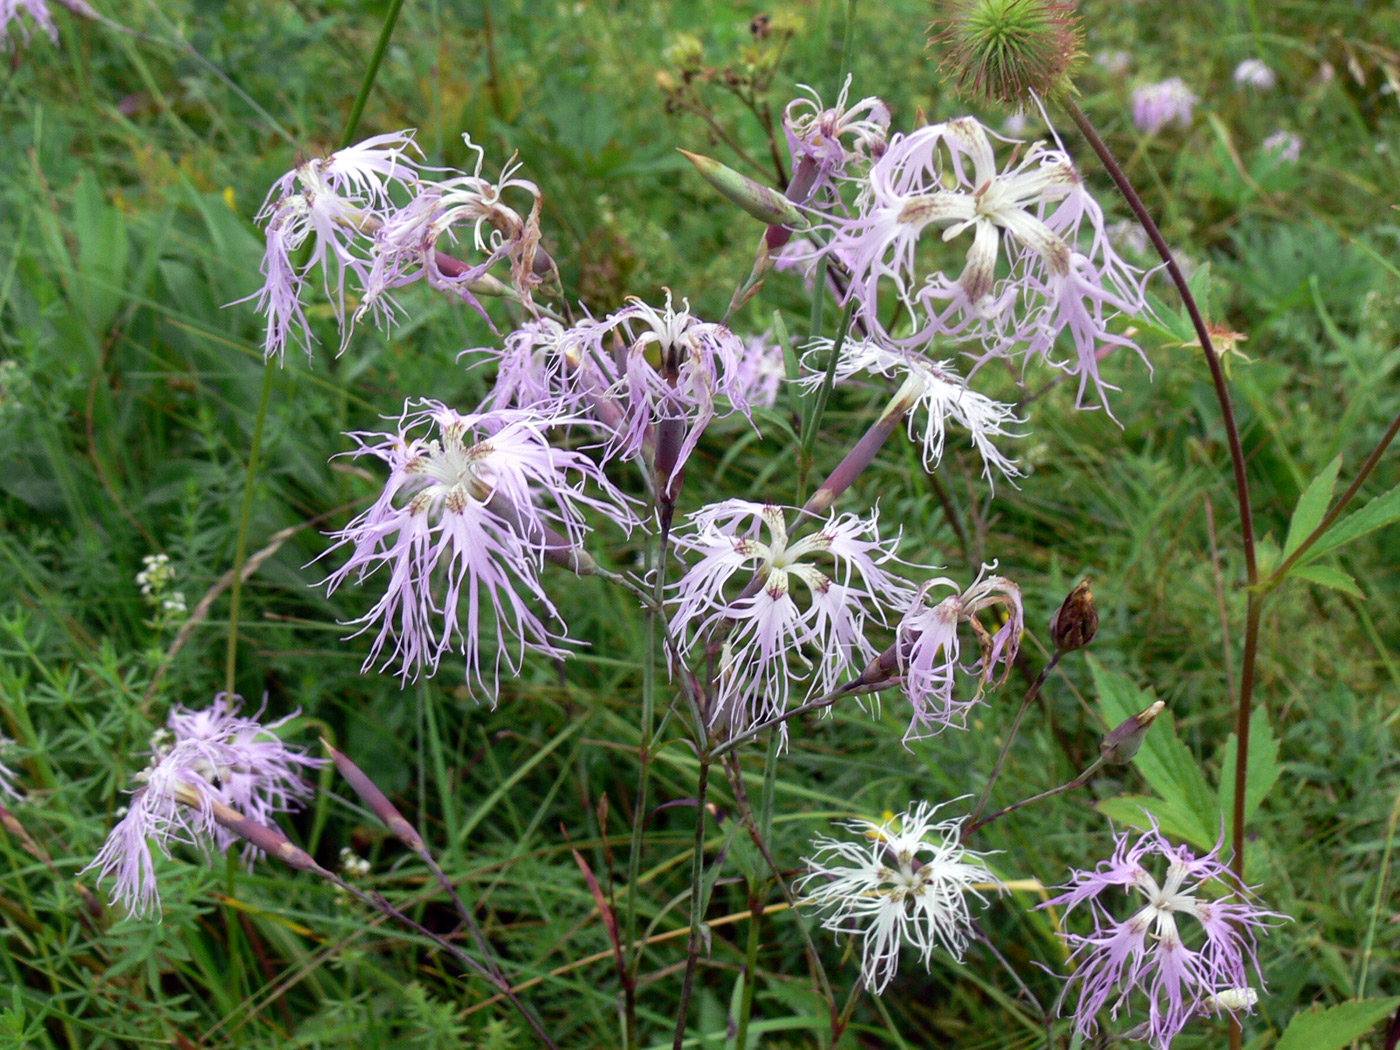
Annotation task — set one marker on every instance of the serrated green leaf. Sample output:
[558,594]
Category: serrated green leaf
[1335,1027]
[1164,761]
[1380,511]
[1199,283]
[1312,506]
[1327,577]
[1261,773]
[1173,819]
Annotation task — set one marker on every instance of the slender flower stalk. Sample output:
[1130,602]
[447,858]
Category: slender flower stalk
[905,880]
[202,757]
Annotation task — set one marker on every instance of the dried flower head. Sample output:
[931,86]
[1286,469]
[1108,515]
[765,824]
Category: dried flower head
[1076,620]
[904,880]
[1008,51]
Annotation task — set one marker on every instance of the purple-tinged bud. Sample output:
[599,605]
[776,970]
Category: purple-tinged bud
[1003,51]
[1119,746]
[762,202]
[269,840]
[376,800]
[1076,620]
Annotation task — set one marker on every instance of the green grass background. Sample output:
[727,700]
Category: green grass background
[129,174]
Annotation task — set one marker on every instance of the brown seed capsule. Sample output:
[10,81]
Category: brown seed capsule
[1074,623]
[1120,745]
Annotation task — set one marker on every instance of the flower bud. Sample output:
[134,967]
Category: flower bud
[1075,621]
[1119,746]
[1002,51]
[762,202]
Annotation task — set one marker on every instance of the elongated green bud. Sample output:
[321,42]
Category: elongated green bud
[762,202]
[1120,745]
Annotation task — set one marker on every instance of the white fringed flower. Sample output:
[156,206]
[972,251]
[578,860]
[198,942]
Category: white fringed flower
[905,880]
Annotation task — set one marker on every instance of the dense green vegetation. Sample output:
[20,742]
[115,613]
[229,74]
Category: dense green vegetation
[131,167]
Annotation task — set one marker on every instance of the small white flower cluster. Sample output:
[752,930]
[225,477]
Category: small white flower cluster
[154,581]
[352,865]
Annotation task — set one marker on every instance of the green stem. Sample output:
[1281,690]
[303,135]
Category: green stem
[240,553]
[697,909]
[245,513]
[1031,694]
[750,969]
[391,18]
[1326,523]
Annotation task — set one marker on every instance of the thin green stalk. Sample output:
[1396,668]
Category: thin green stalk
[818,405]
[697,872]
[240,552]
[847,42]
[386,32]
[741,1040]
[1031,694]
[245,512]
[1326,523]
[634,860]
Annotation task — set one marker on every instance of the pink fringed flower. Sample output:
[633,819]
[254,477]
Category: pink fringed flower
[938,393]
[1157,105]
[929,648]
[782,633]
[1147,952]
[903,881]
[405,245]
[211,754]
[671,367]
[463,528]
[1061,273]
[38,10]
[337,203]
[817,138]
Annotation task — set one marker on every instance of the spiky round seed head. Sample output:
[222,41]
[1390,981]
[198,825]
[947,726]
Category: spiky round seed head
[1000,51]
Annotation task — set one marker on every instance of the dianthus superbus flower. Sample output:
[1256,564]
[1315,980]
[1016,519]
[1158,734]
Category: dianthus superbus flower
[1146,953]
[1254,73]
[336,203]
[216,754]
[405,244]
[468,517]
[938,395]
[824,142]
[671,366]
[904,880]
[1061,274]
[805,624]
[929,650]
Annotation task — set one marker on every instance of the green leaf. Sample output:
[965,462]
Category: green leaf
[1380,511]
[1335,1027]
[1312,506]
[1174,819]
[1328,577]
[1262,771]
[1164,761]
